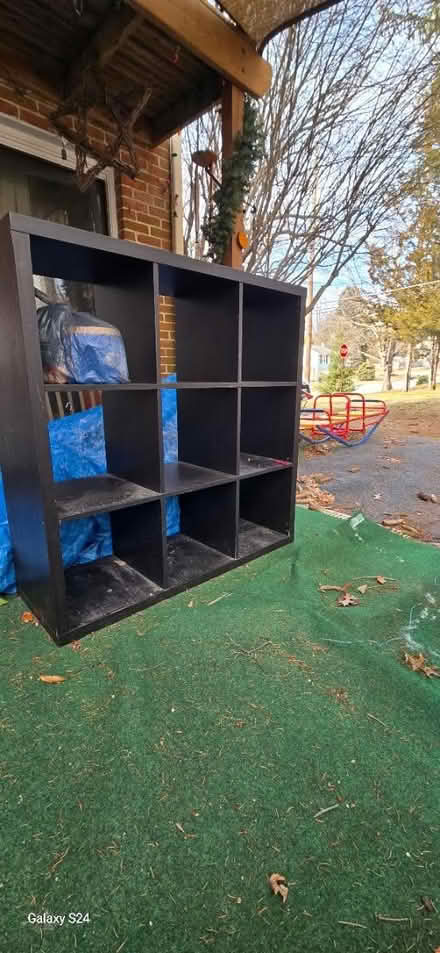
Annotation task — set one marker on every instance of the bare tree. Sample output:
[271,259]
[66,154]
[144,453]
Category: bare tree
[340,120]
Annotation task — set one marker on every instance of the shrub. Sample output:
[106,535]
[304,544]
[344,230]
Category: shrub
[366,371]
[423,379]
[339,377]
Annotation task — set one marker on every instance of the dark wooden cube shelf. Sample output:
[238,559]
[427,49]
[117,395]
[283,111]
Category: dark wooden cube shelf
[239,354]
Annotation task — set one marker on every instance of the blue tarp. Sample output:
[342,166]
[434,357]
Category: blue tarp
[78,450]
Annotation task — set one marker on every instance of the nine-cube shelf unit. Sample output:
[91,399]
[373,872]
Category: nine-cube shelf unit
[239,357]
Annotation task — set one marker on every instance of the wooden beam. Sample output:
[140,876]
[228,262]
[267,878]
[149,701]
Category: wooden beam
[176,195]
[113,32]
[232,124]
[197,26]
[185,110]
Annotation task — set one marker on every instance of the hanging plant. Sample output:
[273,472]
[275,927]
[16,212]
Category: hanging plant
[238,172]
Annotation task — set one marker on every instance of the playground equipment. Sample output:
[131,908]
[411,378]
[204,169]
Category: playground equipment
[348,418]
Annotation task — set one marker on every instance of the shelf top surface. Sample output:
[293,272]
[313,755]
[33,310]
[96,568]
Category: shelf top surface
[39,228]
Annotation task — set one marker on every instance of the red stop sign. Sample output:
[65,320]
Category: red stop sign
[343,350]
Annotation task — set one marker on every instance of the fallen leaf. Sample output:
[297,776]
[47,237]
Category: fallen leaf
[191,604]
[180,828]
[75,645]
[331,588]
[418,663]
[381,580]
[391,522]
[347,600]
[430,671]
[354,469]
[423,496]
[52,679]
[278,884]
[377,496]
[28,617]
[433,498]
[363,588]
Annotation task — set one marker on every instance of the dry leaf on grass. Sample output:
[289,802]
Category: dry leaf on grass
[418,663]
[362,589]
[278,884]
[180,828]
[321,477]
[381,580]
[347,600]
[52,679]
[75,645]
[331,588]
[28,617]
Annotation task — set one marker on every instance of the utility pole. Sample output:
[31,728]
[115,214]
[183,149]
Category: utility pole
[308,329]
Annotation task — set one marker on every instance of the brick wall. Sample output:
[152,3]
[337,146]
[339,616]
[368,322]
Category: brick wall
[143,204]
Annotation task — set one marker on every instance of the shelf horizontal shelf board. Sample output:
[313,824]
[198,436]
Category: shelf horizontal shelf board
[98,386]
[268,383]
[98,494]
[96,591]
[185,477]
[251,465]
[198,385]
[252,538]
[188,560]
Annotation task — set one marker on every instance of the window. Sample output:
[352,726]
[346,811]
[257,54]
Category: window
[36,180]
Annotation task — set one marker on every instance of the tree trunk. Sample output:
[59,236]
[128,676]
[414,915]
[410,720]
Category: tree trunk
[435,355]
[408,368]
[388,364]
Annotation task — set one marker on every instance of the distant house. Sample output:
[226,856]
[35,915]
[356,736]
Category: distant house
[320,360]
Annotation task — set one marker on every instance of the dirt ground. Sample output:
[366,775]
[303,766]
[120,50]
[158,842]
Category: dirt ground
[384,476]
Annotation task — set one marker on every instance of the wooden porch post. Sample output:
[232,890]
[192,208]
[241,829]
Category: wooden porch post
[232,123]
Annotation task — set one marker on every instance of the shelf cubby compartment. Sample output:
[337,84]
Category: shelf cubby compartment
[133,457]
[265,512]
[124,295]
[207,324]
[206,544]
[130,579]
[267,429]
[271,335]
[207,439]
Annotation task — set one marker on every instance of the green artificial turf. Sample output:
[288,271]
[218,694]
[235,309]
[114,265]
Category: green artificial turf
[186,754]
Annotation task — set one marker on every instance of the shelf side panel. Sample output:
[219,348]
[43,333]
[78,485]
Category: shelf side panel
[24,448]
[126,298]
[138,539]
[208,428]
[299,373]
[210,516]
[132,436]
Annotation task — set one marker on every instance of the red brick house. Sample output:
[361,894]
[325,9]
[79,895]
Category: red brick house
[188,56]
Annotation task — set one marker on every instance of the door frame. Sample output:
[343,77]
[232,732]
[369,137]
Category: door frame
[24,137]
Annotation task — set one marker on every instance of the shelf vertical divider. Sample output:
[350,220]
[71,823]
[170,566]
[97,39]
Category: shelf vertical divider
[239,389]
[25,449]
